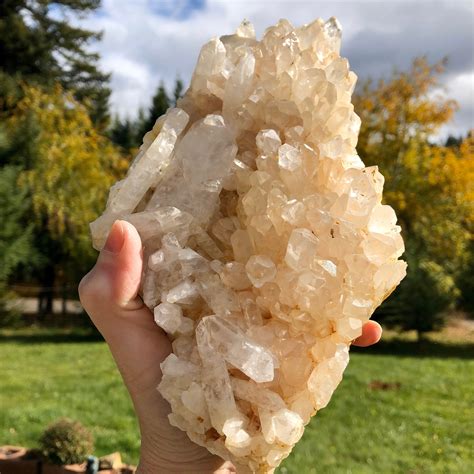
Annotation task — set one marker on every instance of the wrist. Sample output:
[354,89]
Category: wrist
[177,454]
[212,465]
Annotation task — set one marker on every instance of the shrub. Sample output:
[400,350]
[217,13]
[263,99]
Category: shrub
[421,301]
[66,442]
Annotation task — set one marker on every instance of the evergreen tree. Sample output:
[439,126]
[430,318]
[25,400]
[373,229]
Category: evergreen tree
[124,134]
[16,239]
[453,141]
[140,126]
[159,105]
[178,90]
[44,49]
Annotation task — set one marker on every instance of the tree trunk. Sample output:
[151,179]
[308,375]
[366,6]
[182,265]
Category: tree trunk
[64,300]
[421,337]
[46,294]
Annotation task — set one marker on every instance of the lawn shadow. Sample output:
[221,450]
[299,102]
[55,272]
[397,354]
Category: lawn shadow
[393,346]
[51,335]
[423,349]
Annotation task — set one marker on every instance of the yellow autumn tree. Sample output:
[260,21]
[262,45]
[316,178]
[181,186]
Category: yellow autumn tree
[452,173]
[66,173]
[430,187]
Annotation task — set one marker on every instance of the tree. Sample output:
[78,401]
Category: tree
[66,181]
[46,68]
[426,184]
[178,90]
[466,282]
[16,237]
[39,44]
[159,105]
[140,126]
[128,134]
[459,167]
[453,141]
[124,134]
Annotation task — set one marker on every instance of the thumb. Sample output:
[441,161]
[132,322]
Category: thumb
[109,294]
[113,284]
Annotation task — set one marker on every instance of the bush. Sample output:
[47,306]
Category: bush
[421,301]
[10,317]
[66,442]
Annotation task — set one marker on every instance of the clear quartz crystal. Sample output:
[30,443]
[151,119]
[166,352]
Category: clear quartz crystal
[266,245]
[238,349]
[260,270]
[169,317]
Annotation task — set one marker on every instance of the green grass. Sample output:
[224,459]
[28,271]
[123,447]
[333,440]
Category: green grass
[424,426]
[42,381]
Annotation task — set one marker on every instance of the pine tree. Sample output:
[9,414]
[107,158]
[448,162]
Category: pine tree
[159,105]
[453,141]
[124,134]
[16,238]
[140,126]
[178,90]
[42,48]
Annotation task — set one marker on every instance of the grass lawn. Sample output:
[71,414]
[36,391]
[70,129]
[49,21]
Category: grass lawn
[400,409]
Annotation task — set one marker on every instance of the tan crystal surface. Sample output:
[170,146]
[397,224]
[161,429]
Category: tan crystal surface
[266,242]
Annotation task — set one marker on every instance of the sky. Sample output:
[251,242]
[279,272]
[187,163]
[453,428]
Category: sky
[146,41]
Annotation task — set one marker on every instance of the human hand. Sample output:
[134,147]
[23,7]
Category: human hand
[109,294]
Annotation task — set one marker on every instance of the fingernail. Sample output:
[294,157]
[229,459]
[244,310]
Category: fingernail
[115,239]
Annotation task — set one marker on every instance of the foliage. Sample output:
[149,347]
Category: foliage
[64,168]
[396,110]
[128,133]
[429,186]
[466,282]
[72,170]
[453,141]
[39,44]
[435,292]
[160,103]
[15,234]
[178,90]
[43,54]
[124,134]
[16,243]
[66,442]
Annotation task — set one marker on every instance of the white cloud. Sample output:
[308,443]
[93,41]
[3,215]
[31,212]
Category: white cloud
[141,47]
[461,89]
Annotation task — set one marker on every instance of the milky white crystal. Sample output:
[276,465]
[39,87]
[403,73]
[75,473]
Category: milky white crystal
[265,240]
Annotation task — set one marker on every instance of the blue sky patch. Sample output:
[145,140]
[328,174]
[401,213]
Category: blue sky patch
[177,9]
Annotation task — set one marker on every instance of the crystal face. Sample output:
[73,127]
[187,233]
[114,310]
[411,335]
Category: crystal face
[265,240]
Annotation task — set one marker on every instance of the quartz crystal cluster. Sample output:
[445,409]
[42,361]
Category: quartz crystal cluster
[265,240]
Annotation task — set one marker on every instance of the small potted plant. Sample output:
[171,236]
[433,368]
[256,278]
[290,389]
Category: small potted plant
[65,445]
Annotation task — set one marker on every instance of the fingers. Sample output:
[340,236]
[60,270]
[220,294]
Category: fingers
[371,334]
